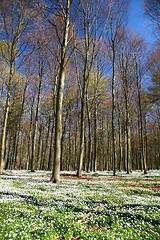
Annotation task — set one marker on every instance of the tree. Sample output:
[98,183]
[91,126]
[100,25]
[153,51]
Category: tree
[14,20]
[125,63]
[139,59]
[116,22]
[93,25]
[152,11]
[154,99]
[58,123]
[154,73]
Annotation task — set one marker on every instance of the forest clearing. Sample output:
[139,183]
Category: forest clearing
[95,206]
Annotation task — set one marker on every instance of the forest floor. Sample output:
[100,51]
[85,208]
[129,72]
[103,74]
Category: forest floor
[129,183]
[95,206]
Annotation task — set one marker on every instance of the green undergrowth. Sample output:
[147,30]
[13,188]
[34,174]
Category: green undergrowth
[37,209]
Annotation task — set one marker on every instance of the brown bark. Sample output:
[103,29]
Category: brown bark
[58,124]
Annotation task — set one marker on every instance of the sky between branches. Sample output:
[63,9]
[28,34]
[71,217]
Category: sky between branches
[138,22]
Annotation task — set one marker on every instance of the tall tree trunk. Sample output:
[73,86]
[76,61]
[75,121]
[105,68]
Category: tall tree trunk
[141,118]
[89,136]
[50,148]
[62,138]
[46,142]
[82,134]
[3,136]
[53,124]
[120,134]
[140,162]
[20,119]
[41,67]
[108,144]
[113,111]
[30,136]
[69,139]
[129,144]
[145,139]
[21,152]
[42,148]
[37,164]
[127,137]
[9,153]
[76,135]
[58,124]
[95,132]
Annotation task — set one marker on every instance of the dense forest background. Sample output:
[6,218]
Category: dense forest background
[78,89]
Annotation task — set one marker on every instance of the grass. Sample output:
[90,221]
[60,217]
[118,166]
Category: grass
[36,209]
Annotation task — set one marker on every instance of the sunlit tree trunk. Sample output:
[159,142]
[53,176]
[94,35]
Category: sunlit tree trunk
[80,164]
[54,115]
[34,136]
[50,148]
[20,119]
[46,144]
[69,139]
[76,135]
[95,123]
[89,136]
[88,63]
[37,164]
[113,110]
[58,124]
[62,140]
[3,138]
[117,21]
[21,151]
[120,133]
[140,116]
[9,153]
[30,135]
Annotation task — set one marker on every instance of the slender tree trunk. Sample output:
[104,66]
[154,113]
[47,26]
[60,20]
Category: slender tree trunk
[58,124]
[30,136]
[76,135]
[120,136]
[85,151]
[82,134]
[3,137]
[9,154]
[108,144]
[36,119]
[46,142]
[141,119]
[62,138]
[84,90]
[127,140]
[95,135]
[83,107]
[158,160]
[113,112]
[50,148]
[20,119]
[37,165]
[145,140]
[21,152]
[14,150]
[53,124]
[42,149]
[69,139]
[140,163]
[89,136]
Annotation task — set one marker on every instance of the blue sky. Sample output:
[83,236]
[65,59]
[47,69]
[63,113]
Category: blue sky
[138,22]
